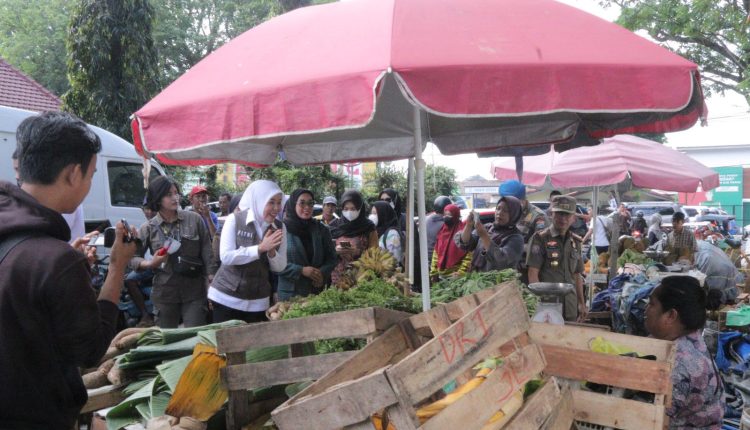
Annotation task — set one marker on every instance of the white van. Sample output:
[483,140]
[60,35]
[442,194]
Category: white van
[117,188]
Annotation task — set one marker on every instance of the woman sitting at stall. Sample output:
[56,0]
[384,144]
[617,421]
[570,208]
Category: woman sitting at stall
[389,233]
[654,229]
[677,312]
[448,258]
[352,233]
[253,243]
[310,253]
[498,245]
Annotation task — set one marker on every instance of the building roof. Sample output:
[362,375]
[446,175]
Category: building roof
[20,91]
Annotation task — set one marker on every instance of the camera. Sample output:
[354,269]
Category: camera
[110,235]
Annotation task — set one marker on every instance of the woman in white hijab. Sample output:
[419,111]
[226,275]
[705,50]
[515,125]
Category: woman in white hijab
[253,244]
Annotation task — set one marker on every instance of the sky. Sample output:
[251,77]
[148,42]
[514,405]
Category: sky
[728,121]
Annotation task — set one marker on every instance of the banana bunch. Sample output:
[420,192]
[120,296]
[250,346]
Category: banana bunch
[379,261]
[426,412]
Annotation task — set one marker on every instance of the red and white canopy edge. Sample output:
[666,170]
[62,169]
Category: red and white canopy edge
[361,79]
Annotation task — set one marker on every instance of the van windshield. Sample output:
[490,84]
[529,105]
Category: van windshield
[126,183]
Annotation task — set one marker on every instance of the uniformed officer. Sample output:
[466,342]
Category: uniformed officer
[555,256]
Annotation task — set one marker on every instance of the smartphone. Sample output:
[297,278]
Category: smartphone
[128,237]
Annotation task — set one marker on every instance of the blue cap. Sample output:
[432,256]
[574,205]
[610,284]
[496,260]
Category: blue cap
[512,188]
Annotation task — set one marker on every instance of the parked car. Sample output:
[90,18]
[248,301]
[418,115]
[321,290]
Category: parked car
[665,209]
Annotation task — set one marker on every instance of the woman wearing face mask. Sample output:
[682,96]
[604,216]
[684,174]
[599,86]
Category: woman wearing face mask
[353,232]
[389,234]
[390,196]
[179,285]
[310,252]
[676,312]
[496,246]
[253,243]
[448,258]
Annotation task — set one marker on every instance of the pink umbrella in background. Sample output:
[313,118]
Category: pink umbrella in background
[647,164]
[375,79]
[536,169]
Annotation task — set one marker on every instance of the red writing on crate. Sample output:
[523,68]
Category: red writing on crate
[512,374]
[455,341]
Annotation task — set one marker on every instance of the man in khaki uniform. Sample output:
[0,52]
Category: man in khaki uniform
[555,256]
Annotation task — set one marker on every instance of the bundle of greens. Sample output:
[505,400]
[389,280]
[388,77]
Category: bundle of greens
[634,257]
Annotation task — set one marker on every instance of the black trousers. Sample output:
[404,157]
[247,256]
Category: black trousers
[223,313]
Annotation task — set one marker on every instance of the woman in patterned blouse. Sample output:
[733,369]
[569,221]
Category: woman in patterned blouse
[677,312]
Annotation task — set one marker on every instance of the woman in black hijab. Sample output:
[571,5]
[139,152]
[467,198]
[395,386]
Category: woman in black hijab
[353,232]
[386,224]
[496,246]
[390,196]
[309,253]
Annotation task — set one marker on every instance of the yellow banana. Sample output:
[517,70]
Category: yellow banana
[426,412]
[506,412]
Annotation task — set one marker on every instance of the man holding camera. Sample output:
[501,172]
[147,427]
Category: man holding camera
[51,322]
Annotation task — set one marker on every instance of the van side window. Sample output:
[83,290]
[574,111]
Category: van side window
[126,183]
[666,211]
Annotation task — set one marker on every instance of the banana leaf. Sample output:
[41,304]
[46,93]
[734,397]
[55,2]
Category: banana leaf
[151,355]
[127,412]
[171,371]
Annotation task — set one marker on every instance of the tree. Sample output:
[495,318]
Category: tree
[385,175]
[32,38]
[438,181]
[185,31]
[318,179]
[112,62]
[715,34]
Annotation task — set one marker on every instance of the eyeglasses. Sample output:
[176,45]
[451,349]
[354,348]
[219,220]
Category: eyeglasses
[308,203]
[387,199]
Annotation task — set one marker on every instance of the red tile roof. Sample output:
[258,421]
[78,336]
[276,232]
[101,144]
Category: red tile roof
[20,91]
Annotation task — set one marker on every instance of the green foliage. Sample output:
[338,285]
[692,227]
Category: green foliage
[715,34]
[112,62]
[438,181]
[32,38]
[318,179]
[385,175]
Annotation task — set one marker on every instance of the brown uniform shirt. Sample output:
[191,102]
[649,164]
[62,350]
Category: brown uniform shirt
[558,259]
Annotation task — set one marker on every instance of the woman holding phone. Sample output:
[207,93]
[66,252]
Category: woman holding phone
[353,232]
[253,244]
[180,275]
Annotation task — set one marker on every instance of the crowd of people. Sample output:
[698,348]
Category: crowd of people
[265,247]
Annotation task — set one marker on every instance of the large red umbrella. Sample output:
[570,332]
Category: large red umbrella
[645,163]
[339,82]
[367,79]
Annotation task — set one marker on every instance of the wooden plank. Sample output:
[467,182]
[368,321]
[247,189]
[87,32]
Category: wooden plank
[579,338]
[611,411]
[386,349]
[537,408]
[249,376]
[457,308]
[347,405]
[354,323]
[103,397]
[364,425]
[615,370]
[238,410]
[562,415]
[476,407]
[385,318]
[465,343]
[439,322]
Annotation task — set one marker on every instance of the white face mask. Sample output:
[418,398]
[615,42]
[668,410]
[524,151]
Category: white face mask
[350,215]
[393,205]
[373,218]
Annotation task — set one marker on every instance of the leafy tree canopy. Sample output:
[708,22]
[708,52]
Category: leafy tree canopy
[715,34]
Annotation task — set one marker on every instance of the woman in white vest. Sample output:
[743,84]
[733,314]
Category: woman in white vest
[253,243]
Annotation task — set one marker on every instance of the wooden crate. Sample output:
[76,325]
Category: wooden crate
[239,376]
[415,359]
[567,352]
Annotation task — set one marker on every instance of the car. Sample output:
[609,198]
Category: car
[696,214]
[665,209]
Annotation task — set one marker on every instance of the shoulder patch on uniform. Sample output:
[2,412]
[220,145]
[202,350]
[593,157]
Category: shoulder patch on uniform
[536,249]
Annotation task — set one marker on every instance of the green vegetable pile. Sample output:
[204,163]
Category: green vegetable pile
[635,257]
[375,292]
[451,289]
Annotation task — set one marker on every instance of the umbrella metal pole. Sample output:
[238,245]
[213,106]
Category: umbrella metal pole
[419,164]
[410,222]
[594,254]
